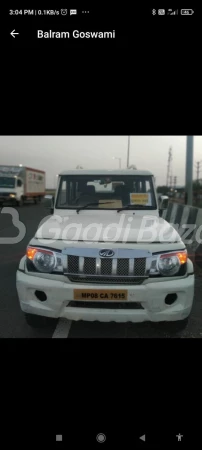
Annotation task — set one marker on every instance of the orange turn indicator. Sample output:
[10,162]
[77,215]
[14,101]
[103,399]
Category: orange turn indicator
[31,252]
[182,257]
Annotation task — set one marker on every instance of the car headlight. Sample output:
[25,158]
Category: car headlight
[45,260]
[168,264]
[12,195]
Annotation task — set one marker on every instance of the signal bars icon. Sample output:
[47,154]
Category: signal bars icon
[172,12]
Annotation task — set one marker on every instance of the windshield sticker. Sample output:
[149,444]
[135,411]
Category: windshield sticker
[140,199]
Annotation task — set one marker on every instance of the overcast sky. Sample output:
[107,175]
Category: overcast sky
[56,153]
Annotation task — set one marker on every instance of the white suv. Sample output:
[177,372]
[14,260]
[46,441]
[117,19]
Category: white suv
[105,253]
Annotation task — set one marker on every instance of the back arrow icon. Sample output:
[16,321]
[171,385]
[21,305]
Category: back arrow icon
[13,33]
[143,438]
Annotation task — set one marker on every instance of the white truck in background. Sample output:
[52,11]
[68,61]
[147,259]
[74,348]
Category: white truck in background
[18,184]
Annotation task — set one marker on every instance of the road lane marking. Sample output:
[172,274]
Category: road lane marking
[63,328]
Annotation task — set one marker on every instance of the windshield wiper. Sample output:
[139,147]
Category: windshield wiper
[91,204]
[131,206]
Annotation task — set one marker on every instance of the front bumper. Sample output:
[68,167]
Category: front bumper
[151,295]
[7,198]
[4,198]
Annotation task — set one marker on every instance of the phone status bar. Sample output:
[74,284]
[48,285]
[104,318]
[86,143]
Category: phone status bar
[172,12]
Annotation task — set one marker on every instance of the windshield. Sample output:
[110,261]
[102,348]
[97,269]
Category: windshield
[76,191]
[7,182]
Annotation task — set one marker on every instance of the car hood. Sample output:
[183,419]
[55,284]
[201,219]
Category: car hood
[107,228]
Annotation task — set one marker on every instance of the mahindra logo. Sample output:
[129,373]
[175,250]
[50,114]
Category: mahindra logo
[106,253]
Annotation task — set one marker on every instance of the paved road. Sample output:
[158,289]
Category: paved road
[12,322]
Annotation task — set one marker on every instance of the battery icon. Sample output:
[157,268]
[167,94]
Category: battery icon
[186,12]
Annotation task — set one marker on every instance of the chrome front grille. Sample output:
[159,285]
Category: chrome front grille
[89,267]
[82,268]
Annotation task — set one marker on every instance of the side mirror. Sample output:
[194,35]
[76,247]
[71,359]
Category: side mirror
[163,202]
[48,202]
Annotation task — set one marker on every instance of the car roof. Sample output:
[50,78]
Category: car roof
[106,172]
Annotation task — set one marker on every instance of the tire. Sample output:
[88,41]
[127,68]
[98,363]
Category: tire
[182,324]
[175,326]
[36,200]
[20,202]
[36,321]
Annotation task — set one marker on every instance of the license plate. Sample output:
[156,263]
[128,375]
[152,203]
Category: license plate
[100,294]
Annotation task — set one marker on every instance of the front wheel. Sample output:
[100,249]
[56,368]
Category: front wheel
[175,326]
[182,324]
[36,321]
[20,202]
